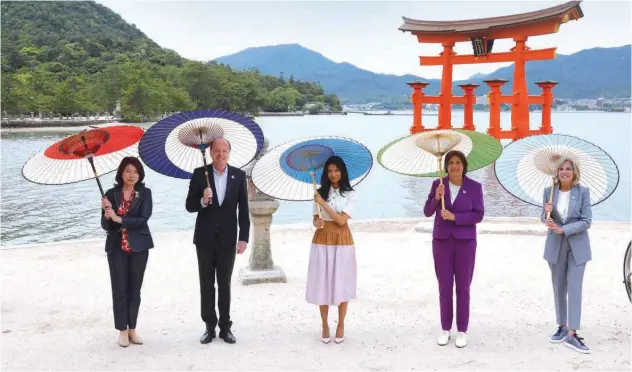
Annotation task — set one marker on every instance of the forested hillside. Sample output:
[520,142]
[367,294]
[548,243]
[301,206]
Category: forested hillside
[62,58]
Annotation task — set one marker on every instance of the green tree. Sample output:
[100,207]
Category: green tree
[315,109]
[282,99]
[69,97]
[333,102]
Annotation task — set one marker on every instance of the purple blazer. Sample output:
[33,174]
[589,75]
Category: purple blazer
[468,209]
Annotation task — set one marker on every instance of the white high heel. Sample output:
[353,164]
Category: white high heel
[339,339]
[326,340]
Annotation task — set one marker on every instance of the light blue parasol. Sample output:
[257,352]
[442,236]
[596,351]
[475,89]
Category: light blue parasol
[530,164]
[292,171]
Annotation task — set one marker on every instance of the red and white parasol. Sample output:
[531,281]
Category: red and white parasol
[83,156]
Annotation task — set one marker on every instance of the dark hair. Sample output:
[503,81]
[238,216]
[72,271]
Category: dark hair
[124,163]
[325,184]
[452,154]
[227,141]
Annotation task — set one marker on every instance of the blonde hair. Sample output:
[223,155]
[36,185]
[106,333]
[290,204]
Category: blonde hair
[576,173]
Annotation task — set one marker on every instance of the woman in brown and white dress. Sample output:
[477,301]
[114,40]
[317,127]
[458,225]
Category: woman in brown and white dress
[332,271]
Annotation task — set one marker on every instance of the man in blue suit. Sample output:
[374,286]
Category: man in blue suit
[219,234]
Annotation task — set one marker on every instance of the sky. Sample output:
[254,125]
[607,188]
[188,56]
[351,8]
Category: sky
[363,33]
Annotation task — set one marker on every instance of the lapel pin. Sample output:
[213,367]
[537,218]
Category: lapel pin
[232,176]
[465,192]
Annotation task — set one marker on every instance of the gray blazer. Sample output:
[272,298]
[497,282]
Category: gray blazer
[575,227]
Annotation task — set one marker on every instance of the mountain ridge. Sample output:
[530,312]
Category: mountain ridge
[607,70]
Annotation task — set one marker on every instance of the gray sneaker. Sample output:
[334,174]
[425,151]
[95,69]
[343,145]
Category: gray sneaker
[559,336]
[577,343]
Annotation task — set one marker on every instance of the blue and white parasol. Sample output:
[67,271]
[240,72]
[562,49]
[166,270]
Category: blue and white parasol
[528,165]
[173,145]
[292,170]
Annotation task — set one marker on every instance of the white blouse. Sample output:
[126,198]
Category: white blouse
[562,205]
[454,191]
[338,203]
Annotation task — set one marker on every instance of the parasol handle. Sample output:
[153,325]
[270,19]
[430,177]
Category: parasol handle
[202,150]
[441,182]
[208,183]
[440,171]
[548,214]
[94,170]
[315,191]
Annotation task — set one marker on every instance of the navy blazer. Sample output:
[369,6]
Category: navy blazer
[468,209]
[214,217]
[575,228]
[135,222]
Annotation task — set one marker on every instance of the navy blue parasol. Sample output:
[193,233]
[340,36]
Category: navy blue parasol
[173,145]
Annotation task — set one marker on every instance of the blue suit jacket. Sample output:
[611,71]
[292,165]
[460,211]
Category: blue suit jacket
[135,222]
[575,228]
[220,218]
[468,209]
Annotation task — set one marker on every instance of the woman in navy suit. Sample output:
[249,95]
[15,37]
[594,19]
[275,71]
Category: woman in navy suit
[126,209]
[454,242]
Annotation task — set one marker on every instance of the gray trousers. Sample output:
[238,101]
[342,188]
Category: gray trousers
[567,278]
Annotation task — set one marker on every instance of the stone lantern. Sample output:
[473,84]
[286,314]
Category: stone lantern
[261,268]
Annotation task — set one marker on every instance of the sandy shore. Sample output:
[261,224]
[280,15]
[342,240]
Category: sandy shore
[57,312]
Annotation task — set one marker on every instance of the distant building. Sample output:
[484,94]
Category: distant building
[600,102]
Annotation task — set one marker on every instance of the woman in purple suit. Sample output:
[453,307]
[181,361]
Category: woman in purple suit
[454,241]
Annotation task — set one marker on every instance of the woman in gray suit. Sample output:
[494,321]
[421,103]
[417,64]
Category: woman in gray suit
[567,250]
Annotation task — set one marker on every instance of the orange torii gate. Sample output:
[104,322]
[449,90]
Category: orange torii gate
[482,33]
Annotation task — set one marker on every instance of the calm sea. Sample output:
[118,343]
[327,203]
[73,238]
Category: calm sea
[36,213]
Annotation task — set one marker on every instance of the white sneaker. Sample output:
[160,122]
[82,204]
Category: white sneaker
[444,338]
[461,340]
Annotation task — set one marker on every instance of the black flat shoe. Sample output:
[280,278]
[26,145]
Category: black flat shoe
[207,337]
[227,336]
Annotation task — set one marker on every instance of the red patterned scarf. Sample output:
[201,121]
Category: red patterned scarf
[122,211]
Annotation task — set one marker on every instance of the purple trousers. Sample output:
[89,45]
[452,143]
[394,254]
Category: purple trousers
[454,261]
